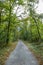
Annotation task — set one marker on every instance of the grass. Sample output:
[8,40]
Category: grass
[37,50]
[5,52]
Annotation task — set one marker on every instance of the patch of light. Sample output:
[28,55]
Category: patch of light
[20,12]
[40,7]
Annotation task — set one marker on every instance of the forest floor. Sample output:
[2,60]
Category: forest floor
[5,52]
[36,50]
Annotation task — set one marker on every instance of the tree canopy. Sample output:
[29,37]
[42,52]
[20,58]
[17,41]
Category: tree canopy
[13,27]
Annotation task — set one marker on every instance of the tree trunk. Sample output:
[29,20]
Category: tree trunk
[8,31]
[37,30]
[0,16]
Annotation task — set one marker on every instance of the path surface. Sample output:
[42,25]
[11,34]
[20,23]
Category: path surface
[21,56]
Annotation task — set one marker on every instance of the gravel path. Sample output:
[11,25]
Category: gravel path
[21,56]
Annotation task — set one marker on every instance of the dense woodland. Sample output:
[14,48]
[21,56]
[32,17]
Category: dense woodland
[12,28]
[27,26]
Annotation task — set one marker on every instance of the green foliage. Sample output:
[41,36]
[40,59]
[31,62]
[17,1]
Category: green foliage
[11,28]
[20,2]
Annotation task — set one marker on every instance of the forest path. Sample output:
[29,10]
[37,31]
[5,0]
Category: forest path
[21,56]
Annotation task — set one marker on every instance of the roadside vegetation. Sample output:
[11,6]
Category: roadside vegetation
[37,50]
[27,26]
[5,52]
